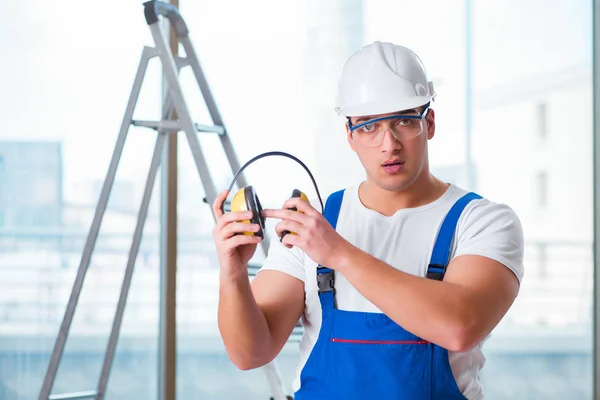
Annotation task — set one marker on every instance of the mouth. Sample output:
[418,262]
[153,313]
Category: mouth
[392,166]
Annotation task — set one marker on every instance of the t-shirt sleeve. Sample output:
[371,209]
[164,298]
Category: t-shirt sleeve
[492,230]
[280,258]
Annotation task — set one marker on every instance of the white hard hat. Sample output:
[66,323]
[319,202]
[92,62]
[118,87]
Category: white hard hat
[382,78]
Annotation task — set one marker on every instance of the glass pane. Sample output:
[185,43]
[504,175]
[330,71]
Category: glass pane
[66,75]
[532,143]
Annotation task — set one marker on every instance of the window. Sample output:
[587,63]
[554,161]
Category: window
[550,68]
[46,161]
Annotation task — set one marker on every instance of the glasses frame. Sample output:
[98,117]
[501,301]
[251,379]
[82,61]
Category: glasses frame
[419,117]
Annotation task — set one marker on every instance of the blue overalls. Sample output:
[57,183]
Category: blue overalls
[361,355]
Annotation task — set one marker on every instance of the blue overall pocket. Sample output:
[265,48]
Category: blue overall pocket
[374,358]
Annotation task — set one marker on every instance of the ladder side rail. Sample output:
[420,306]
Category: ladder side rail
[92,237]
[176,94]
[133,253]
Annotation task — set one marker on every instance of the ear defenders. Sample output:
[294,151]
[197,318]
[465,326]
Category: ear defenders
[246,199]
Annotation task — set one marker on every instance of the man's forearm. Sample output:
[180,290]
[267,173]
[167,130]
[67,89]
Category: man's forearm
[439,312]
[242,324]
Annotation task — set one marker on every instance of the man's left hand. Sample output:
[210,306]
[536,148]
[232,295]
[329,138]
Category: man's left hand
[311,232]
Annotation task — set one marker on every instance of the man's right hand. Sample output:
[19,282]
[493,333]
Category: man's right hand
[234,249]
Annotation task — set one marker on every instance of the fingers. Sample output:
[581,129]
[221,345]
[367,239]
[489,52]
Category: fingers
[287,228]
[217,205]
[229,217]
[234,222]
[290,241]
[287,225]
[237,227]
[301,205]
[237,241]
[285,214]
[228,233]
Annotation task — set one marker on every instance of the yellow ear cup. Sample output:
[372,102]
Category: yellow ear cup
[238,203]
[295,193]
[246,200]
[298,193]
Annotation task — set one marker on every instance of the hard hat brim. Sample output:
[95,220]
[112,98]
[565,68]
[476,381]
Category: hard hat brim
[378,108]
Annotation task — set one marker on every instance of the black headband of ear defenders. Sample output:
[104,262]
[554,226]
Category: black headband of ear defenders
[283,154]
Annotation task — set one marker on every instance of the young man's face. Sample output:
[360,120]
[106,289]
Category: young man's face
[396,162]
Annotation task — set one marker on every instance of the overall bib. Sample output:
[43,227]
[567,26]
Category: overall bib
[361,355]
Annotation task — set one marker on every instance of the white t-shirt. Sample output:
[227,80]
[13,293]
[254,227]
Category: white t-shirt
[405,241]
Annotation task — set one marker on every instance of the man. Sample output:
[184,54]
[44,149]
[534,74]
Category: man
[399,282]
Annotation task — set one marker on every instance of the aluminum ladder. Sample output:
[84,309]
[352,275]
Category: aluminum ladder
[155,12]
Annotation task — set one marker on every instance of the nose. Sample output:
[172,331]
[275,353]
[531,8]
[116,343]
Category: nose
[390,142]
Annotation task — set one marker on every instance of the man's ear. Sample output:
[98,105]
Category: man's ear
[430,118]
[349,137]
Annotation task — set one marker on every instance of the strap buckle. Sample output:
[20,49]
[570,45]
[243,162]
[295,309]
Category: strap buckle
[326,281]
[436,271]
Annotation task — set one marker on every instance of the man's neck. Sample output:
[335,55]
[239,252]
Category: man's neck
[423,191]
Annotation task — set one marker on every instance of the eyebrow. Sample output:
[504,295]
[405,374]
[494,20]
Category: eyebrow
[367,118]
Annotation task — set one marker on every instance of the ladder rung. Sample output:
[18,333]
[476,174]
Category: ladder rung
[174,126]
[92,394]
[210,128]
[167,125]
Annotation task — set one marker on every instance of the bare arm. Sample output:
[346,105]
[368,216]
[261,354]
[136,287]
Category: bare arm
[256,319]
[455,313]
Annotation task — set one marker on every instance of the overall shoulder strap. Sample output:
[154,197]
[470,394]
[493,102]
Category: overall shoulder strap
[326,276]
[443,244]
[332,207]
